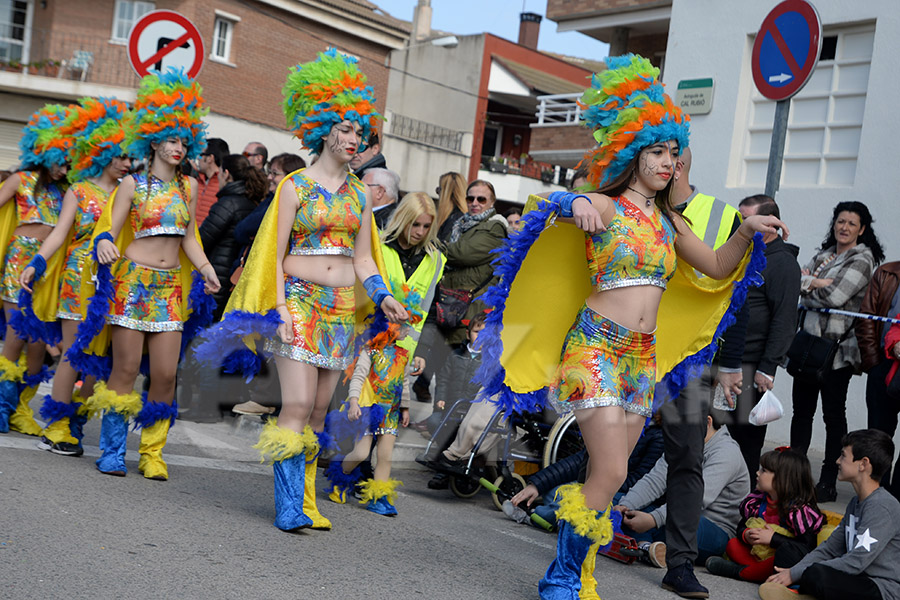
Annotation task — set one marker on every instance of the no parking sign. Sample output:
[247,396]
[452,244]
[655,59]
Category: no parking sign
[163,39]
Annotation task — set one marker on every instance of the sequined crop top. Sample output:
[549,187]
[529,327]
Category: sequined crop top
[159,207]
[634,250]
[92,200]
[41,208]
[326,223]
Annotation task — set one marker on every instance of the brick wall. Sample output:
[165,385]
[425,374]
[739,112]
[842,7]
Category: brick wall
[564,137]
[562,9]
[266,43]
[651,46]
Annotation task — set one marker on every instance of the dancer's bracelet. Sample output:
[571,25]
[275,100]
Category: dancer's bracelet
[376,289]
[39,265]
[565,201]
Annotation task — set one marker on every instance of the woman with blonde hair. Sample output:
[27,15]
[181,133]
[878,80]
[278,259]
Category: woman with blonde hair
[451,203]
[378,390]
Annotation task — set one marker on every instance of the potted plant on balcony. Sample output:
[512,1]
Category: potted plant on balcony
[51,67]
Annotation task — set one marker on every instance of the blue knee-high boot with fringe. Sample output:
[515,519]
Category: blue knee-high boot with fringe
[341,483]
[286,450]
[310,507]
[10,377]
[117,409]
[154,421]
[582,532]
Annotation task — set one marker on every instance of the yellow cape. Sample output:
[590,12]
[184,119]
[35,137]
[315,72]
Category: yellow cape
[550,289]
[100,343]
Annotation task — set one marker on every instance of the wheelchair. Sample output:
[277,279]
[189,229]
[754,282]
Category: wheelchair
[536,438]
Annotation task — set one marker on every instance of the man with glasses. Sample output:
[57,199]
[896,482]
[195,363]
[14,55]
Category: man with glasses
[385,187]
[257,154]
[208,176]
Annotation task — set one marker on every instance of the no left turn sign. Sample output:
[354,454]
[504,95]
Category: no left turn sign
[163,39]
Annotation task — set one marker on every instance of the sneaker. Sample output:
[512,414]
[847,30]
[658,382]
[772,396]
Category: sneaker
[682,581]
[44,443]
[776,591]
[67,449]
[724,567]
[825,493]
[656,554]
[252,408]
[441,481]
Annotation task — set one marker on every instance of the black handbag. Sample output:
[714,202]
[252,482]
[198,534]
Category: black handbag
[811,356]
[452,304]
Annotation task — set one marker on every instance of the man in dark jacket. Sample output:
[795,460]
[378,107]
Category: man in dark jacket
[883,299]
[773,322]
[370,158]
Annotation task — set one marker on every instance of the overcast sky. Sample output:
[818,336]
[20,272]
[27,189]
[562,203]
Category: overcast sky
[500,17]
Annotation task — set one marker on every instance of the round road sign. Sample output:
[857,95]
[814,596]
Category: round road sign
[162,39]
[786,49]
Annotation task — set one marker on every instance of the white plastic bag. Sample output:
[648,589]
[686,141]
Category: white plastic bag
[768,409]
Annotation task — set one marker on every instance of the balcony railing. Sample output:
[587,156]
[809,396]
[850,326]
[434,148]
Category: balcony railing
[558,109]
[86,58]
[426,133]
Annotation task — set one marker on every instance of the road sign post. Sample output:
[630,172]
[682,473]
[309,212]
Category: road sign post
[785,54]
[162,39]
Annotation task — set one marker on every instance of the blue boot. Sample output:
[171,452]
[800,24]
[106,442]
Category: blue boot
[379,496]
[287,450]
[582,532]
[117,408]
[9,399]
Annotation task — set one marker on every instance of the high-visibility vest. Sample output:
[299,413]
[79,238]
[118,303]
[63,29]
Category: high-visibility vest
[711,219]
[424,281]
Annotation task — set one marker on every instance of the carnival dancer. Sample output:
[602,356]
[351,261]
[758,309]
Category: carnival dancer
[97,164]
[379,385]
[607,368]
[38,190]
[295,296]
[146,244]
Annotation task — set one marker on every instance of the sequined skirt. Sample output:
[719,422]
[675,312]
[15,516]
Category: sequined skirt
[605,364]
[146,299]
[386,377]
[323,324]
[70,282]
[19,253]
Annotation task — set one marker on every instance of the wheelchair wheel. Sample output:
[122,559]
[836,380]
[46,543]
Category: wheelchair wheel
[512,488]
[563,440]
[464,487]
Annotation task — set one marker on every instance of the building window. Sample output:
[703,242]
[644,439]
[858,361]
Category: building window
[127,13]
[222,39]
[825,122]
[13,15]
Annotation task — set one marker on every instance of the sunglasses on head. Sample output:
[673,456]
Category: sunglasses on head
[479,199]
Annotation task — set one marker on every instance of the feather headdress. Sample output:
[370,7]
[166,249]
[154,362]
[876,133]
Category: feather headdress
[98,133]
[42,143]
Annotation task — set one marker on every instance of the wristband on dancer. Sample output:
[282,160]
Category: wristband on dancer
[565,201]
[376,289]
[39,265]
[103,236]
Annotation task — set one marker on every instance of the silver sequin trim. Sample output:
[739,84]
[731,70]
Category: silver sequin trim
[8,299]
[158,231]
[631,281]
[610,400]
[69,316]
[148,326]
[38,223]
[328,250]
[384,430]
[303,355]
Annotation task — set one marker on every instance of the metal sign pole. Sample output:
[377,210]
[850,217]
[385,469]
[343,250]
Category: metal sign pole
[776,150]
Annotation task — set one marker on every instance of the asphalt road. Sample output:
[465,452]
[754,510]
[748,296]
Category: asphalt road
[67,531]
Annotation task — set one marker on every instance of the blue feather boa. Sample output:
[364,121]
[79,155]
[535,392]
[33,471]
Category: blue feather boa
[44,375]
[29,327]
[676,380]
[226,338]
[491,375]
[151,412]
[342,429]
[334,472]
[327,443]
[94,321]
[202,306]
[53,411]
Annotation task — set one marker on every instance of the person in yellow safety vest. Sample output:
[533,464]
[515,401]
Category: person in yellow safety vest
[684,419]
[378,392]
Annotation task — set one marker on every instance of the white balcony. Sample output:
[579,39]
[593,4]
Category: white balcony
[558,109]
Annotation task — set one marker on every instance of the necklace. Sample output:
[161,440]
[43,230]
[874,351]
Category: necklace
[649,199]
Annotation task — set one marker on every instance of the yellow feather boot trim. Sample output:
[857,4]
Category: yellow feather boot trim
[278,443]
[585,521]
[22,419]
[10,371]
[105,399]
[60,431]
[153,440]
[83,409]
[309,497]
[372,489]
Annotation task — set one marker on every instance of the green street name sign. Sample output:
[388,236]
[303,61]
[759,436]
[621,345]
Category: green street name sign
[695,96]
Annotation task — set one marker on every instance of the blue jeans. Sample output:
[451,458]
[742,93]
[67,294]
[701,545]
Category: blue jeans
[711,539]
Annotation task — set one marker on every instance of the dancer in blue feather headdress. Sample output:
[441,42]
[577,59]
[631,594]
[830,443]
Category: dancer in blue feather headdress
[605,365]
